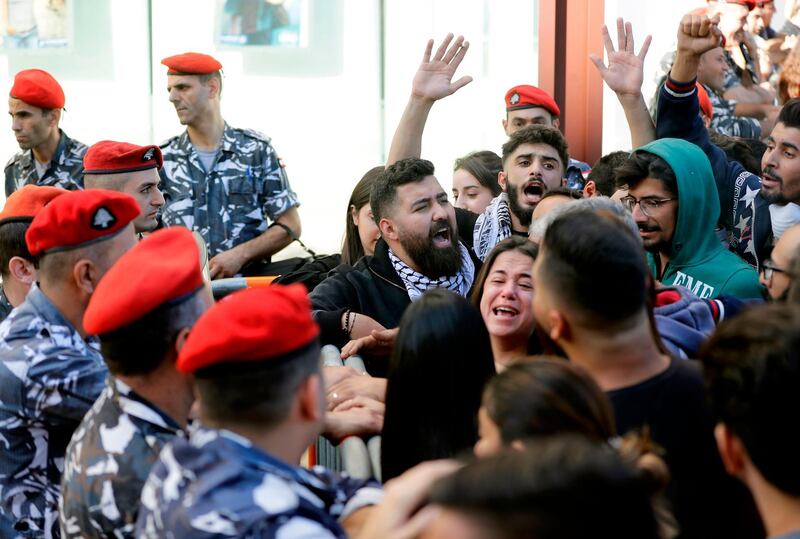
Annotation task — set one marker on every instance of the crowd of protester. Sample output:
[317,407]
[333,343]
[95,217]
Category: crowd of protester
[557,350]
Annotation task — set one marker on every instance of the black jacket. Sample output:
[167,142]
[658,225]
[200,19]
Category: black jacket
[371,287]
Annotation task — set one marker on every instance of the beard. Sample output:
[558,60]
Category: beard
[775,196]
[433,261]
[524,215]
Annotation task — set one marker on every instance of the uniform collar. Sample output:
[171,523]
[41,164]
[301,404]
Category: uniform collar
[228,143]
[137,406]
[26,161]
[253,456]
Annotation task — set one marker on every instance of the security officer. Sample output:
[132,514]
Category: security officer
[142,312]
[51,371]
[48,156]
[528,105]
[16,263]
[255,357]
[127,168]
[224,182]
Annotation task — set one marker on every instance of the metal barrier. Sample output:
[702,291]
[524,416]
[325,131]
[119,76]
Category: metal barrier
[353,455]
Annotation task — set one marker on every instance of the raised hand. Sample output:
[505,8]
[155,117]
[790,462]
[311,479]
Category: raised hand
[434,76]
[698,34]
[625,71]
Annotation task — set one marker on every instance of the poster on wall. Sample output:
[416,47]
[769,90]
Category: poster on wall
[34,24]
[265,23]
[282,37]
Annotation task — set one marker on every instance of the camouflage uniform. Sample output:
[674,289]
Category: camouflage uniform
[65,170]
[107,463]
[5,305]
[217,484]
[231,203]
[725,120]
[49,378]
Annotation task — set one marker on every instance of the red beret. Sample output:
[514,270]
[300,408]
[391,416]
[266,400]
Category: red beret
[161,268]
[38,88]
[25,204]
[191,63]
[705,102]
[252,325]
[80,217]
[528,97]
[109,157]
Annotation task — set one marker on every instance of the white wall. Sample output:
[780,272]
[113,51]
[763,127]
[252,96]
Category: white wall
[329,128]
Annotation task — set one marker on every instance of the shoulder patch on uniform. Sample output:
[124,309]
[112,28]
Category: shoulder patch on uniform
[252,133]
[169,141]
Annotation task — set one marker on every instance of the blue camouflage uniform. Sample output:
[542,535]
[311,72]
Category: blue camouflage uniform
[217,484]
[49,378]
[107,463]
[65,170]
[5,305]
[232,202]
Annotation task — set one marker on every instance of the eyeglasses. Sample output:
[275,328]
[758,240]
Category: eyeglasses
[768,269]
[647,204]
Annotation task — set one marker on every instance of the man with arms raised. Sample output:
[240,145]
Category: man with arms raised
[48,156]
[537,164]
[51,370]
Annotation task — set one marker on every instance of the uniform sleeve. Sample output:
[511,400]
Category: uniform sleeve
[63,385]
[726,122]
[277,193]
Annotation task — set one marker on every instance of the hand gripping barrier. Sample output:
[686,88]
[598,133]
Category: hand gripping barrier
[353,455]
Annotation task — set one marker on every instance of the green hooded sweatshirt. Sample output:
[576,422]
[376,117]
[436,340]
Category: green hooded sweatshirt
[699,262]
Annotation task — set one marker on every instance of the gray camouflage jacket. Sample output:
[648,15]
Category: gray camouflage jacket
[107,463]
[49,378]
[65,171]
[232,203]
[217,484]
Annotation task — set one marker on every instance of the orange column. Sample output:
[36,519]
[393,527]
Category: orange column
[568,31]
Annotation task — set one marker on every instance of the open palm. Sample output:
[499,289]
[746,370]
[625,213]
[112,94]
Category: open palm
[434,76]
[625,71]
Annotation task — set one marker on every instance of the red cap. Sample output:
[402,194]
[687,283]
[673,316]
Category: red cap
[528,97]
[38,88]
[109,157]
[191,63]
[77,218]
[162,268]
[25,204]
[256,324]
[705,101]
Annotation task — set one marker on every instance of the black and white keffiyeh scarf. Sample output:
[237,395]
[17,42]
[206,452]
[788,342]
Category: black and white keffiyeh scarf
[417,284]
[492,226]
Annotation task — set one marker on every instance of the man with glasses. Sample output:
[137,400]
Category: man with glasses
[674,202]
[777,272]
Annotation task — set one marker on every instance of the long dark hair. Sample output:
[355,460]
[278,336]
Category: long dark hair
[440,363]
[484,166]
[352,249]
[543,396]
